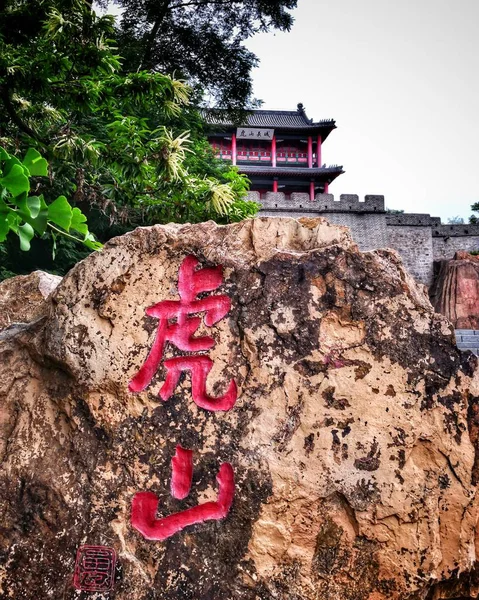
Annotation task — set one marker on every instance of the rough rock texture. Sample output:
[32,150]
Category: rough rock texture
[456,290]
[354,441]
[22,298]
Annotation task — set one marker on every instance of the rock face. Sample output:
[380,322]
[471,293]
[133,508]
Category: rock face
[333,455]
[22,298]
[456,290]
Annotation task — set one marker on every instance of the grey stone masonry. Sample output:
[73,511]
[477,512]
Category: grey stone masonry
[350,203]
[448,239]
[413,241]
[454,230]
[468,339]
[412,220]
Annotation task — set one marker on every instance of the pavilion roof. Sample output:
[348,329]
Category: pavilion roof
[294,172]
[275,119]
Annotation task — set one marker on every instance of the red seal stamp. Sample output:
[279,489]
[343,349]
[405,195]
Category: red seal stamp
[95,569]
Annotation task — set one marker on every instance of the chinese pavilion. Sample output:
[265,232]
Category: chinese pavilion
[279,150]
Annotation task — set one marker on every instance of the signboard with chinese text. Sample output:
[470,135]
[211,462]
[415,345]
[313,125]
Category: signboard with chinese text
[243,133]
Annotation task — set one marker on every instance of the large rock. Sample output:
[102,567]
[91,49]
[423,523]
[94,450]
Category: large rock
[456,290]
[22,298]
[353,442]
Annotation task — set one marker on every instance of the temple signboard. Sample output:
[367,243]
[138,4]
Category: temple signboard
[245,133]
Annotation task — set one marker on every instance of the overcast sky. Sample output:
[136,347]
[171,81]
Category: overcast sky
[401,79]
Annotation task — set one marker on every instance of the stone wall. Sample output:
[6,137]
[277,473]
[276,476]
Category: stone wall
[414,244]
[468,339]
[449,239]
[368,230]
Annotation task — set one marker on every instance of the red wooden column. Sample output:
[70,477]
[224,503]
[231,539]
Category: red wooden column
[311,190]
[273,151]
[275,185]
[233,148]
[326,188]
[318,151]
[310,152]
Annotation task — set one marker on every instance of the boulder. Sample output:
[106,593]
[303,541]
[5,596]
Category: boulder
[455,293]
[22,298]
[255,411]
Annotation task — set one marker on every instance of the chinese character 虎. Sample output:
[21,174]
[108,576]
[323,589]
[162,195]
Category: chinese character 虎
[178,326]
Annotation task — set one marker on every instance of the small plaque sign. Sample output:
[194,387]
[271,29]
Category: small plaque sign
[244,133]
[95,569]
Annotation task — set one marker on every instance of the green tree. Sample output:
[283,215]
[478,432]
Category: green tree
[201,41]
[474,219]
[117,142]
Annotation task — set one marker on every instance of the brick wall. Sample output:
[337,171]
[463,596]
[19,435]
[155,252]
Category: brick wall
[414,244]
[448,239]
[368,230]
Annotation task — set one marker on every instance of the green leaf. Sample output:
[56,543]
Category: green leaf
[91,243]
[3,154]
[35,163]
[34,204]
[4,228]
[79,221]
[34,211]
[25,233]
[4,224]
[60,212]
[16,182]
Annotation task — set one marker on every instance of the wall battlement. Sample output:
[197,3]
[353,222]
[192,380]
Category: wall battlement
[350,203]
[461,230]
[412,220]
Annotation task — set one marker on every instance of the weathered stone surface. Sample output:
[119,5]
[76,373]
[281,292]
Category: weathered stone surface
[354,440]
[22,298]
[456,290]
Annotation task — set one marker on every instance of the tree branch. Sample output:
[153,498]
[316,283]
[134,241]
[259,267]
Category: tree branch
[203,3]
[12,113]
[150,38]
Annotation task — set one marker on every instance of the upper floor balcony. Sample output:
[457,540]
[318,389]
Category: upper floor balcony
[283,156]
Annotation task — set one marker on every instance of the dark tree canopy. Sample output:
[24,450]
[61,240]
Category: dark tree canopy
[201,41]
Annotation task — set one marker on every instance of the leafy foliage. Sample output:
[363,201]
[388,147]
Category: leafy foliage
[201,40]
[26,215]
[474,219]
[123,146]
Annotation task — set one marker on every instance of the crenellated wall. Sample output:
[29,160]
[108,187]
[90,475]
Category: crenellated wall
[448,239]
[419,238]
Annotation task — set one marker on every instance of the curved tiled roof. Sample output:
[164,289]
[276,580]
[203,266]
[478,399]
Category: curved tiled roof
[281,119]
[333,170]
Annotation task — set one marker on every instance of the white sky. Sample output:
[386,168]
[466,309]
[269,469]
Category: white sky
[401,79]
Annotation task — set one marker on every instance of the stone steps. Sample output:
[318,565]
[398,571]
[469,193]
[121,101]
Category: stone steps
[468,339]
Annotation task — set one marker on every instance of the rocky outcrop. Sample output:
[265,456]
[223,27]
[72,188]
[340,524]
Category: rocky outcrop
[455,293]
[22,298]
[295,425]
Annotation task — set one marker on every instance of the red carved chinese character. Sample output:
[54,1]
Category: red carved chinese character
[145,504]
[95,569]
[182,473]
[180,333]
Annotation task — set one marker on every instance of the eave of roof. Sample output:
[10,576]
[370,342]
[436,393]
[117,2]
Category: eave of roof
[285,120]
[282,172]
